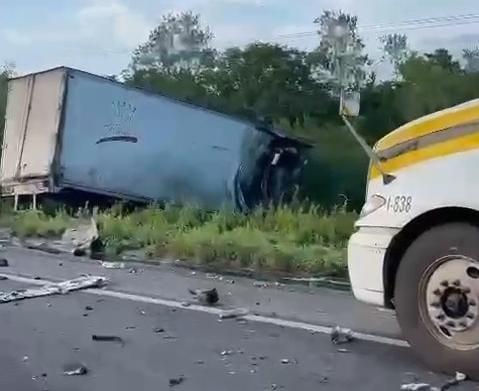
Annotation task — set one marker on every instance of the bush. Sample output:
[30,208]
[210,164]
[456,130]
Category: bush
[300,239]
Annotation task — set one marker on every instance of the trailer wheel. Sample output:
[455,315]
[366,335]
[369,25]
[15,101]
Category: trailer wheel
[437,298]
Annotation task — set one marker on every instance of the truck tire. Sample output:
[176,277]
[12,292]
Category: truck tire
[437,298]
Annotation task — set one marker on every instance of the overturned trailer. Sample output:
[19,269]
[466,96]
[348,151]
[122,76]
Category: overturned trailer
[68,131]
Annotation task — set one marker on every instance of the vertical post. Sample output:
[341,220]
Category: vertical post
[34,201]
[15,202]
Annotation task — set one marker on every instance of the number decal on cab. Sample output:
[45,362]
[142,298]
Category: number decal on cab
[399,204]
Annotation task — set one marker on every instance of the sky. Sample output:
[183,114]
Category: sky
[99,35]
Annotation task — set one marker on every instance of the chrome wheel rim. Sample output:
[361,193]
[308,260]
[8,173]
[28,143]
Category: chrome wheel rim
[449,301]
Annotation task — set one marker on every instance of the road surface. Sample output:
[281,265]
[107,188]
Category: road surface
[165,341]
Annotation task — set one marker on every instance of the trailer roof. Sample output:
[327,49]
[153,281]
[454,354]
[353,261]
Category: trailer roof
[273,131]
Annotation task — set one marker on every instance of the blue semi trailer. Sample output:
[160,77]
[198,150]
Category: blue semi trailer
[69,131]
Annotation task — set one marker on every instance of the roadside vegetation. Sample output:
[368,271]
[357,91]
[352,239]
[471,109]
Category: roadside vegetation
[301,240]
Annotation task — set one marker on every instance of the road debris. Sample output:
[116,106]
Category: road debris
[340,335]
[199,362]
[260,284]
[185,303]
[3,278]
[234,313]
[158,330]
[458,378]
[175,381]
[88,308]
[343,350]
[230,281]
[82,240]
[108,338]
[417,387]
[75,370]
[226,353]
[285,361]
[25,358]
[60,288]
[3,262]
[130,327]
[205,296]
[113,265]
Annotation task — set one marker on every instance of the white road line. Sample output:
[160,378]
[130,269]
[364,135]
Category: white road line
[216,311]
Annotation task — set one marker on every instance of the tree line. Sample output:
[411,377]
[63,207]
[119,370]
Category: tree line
[299,91]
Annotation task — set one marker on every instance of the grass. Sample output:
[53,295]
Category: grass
[299,240]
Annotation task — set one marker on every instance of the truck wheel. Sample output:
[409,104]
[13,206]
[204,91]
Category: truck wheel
[437,298]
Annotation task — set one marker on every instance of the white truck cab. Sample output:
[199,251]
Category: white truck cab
[416,245]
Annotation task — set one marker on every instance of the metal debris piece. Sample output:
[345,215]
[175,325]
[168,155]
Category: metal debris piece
[340,335]
[285,361]
[158,330]
[343,351]
[174,381]
[108,338]
[3,262]
[142,312]
[60,288]
[130,327]
[458,378]
[113,265]
[185,304]
[260,284]
[88,308]
[3,278]
[60,263]
[416,387]
[226,352]
[25,358]
[230,281]
[75,370]
[37,278]
[205,296]
[234,313]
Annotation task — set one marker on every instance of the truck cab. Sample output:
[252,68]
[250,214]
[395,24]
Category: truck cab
[416,245]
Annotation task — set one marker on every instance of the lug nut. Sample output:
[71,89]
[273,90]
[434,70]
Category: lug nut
[451,324]
[456,282]
[463,324]
[440,317]
[437,292]
[470,315]
[435,304]
[472,303]
[466,290]
[445,283]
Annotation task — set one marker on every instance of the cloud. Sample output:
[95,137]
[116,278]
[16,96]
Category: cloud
[16,37]
[114,19]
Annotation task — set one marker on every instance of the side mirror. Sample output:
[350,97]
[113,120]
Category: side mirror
[349,103]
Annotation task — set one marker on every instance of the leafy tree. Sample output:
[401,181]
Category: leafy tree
[395,47]
[339,58]
[178,42]
[472,59]
[443,58]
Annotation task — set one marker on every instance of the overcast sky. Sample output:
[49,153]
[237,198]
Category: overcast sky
[99,35]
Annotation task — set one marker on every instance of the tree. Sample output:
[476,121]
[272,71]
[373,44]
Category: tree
[266,79]
[178,42]
[472,59]
[339,58]
[395,47]
[443,58]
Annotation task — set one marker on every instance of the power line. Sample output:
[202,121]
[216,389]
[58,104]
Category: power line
[414,24]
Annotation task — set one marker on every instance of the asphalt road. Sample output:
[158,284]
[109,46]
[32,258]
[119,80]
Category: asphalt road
[39,336]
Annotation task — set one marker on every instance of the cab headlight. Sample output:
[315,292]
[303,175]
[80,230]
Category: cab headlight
[372,204]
